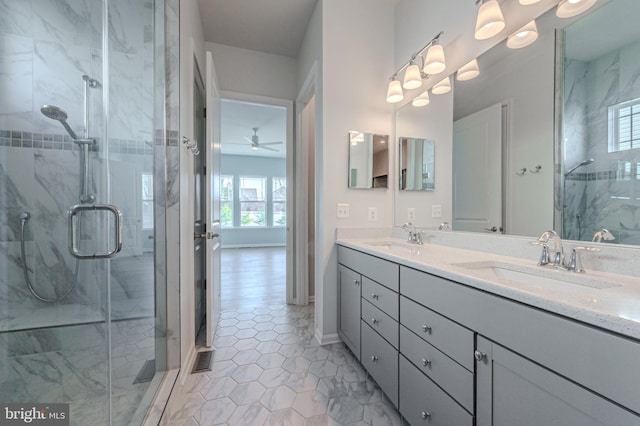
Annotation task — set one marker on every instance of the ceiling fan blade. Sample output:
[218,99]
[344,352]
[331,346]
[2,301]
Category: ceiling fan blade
[248,140]
[270,143]
[269,149]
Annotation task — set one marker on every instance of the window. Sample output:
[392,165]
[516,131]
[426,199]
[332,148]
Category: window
[624,126]
[147,201]
[226,201]
[252,201]
[279,194]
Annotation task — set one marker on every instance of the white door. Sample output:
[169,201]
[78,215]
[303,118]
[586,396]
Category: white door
[212,310]
[477,171]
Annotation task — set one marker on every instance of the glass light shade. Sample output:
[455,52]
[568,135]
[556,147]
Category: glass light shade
[412,77]
[524,36]
[528,2]
[490,20]
[569,8]
[421,100]
[435,62]
[442,87]
[468,71]
[394,92]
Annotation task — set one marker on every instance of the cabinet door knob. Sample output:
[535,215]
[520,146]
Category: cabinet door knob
[426,328]
[374,358]
[426,362]
[425,415]
[356,282]
[374,321]
[479,356]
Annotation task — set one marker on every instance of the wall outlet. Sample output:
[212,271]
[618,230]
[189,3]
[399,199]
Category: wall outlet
[343,211]
[411,213]
[436,210]
[373,214]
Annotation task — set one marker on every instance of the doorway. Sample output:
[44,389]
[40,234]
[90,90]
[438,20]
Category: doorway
[199,210]
[254,201]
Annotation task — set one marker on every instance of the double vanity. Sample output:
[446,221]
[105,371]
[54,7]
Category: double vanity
[455,336]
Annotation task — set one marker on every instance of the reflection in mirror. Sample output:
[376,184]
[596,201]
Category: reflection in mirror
[417,161]
[600,125]
[368,160]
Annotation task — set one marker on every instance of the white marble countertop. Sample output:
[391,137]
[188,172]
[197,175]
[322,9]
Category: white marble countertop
[615,308]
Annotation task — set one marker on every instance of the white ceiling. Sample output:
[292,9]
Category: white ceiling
[238,120]
[271,26]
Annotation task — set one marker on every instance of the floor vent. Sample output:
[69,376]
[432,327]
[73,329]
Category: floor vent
[203,362]
[147,372]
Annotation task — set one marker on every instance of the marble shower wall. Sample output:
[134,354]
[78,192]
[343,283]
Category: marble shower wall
[605,194]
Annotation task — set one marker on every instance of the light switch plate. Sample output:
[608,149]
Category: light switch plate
[411,213]
[343,211]
[373,214]
[436,210]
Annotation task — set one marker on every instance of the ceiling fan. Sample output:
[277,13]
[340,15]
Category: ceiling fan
[255,142]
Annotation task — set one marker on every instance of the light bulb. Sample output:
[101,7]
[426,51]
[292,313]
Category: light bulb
[412,77]
[490,20]
[435,62]
[570,8]
[528,2]
[524,36]
[394,92]
[468,71]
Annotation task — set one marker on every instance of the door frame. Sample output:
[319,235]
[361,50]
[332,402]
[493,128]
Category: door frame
[291,184]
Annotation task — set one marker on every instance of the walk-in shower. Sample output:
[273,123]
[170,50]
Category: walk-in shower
[82,206]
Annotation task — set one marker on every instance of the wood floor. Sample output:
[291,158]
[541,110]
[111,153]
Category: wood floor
[253,277]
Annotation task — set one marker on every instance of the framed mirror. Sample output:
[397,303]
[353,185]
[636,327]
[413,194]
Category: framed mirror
[416,164]
[368,160]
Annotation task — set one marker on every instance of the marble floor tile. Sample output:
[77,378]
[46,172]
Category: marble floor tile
[268,369]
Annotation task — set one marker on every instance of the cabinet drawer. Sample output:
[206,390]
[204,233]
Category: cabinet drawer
[422,402]
[380,359]
[380,270]
[386,326]
[381,297]
[449,375]
[449,337]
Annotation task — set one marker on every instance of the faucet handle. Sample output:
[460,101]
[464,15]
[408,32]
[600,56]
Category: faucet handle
[575,263]
[545,258]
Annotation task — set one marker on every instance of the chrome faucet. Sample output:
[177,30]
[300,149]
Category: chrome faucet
[415,236]
[603,234]
[558,257]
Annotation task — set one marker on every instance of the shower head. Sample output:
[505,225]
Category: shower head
[584,163]
[55,113]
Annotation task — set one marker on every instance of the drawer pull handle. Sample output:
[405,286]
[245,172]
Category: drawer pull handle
[426,329]
[374,296]
[479,356]
[425,415]
[374,321]
[374,358]
[426,362]
[356,282]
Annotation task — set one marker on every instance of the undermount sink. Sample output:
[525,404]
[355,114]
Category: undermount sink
[534,276]
[396,245]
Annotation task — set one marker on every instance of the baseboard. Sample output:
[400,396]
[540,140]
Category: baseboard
[312,299]
[185,368]
[327,339]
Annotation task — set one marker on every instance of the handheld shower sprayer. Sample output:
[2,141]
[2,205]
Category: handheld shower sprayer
[56,113]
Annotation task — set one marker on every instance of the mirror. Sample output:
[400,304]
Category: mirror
[600,180]
[368,160]
[417,161]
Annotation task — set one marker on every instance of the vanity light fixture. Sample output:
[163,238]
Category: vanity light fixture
[570,8]
[394,91]
[490,20]
[524,36]
[421,100]
[528,2]
[468,71]
[434,63]
[412,77]
[442,87]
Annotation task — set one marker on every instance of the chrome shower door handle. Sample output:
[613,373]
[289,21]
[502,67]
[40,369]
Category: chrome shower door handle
[73,230]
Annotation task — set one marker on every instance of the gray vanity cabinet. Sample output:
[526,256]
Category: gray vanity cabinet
[349,284]
[511,390]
